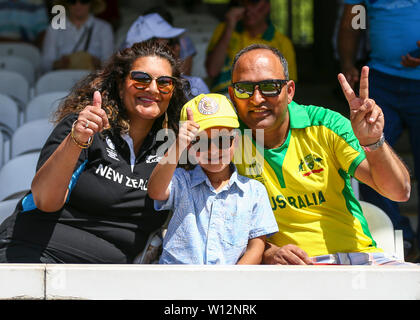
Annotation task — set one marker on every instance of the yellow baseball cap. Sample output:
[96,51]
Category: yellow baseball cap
[211,110]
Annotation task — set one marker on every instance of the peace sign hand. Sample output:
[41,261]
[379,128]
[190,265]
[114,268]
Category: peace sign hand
[366,116]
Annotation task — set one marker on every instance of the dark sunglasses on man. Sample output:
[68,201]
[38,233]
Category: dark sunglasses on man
[268,88]
[142,80]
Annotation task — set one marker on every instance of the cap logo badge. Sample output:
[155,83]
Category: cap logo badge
[208,106]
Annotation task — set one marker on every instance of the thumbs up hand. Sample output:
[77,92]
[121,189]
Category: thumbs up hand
[187,131]
[92,119]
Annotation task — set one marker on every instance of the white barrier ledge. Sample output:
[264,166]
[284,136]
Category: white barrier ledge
[175,282]
[22,281]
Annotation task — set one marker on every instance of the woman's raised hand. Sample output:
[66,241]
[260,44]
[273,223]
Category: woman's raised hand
[187,131]
[91,119]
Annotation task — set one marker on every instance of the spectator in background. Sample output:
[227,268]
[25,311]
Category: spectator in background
[187,49]
[23,21]
[244,25]
[394,31]
[85,43]
[154,26]
[362,54]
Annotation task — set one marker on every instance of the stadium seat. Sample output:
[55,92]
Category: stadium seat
[58,80]
[382,230]
[1,150]
[9,115]
[31,136]
[16,176]
[23,50]
[9,121]
[7,207]
[44,105]
[19,65]
[16,86]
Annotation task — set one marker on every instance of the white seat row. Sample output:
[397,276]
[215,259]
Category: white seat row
[29,137]
[23,50]
[14,114]
[44,105]
[19,65]
[18,132]
[16,175]
[22,58]
[25,128]
[14,84]
[9,115]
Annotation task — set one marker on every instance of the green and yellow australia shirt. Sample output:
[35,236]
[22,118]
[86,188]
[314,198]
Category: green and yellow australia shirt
[308,182]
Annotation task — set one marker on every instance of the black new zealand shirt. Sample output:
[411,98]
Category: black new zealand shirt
[108,215]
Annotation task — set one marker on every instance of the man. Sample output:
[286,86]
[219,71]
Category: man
[244,25]
[308,156]
[394,31]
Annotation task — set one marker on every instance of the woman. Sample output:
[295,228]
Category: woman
[85,42]
[88,201]
[153,26]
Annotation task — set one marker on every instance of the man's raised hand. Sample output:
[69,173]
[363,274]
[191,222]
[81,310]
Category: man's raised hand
[366,116]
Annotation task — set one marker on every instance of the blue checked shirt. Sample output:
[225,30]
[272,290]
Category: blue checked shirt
[209,227]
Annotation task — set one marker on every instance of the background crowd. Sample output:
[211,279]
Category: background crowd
[310,34]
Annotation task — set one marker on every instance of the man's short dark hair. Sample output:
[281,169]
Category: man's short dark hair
[256,46]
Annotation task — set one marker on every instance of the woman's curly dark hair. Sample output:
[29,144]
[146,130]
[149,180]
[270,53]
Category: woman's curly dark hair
[108,80]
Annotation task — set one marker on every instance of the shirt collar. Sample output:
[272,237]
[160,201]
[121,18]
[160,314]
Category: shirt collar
[198,176]
[298,116]
[148,143]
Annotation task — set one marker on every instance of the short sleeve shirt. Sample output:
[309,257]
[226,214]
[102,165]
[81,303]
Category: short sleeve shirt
[59,42]
[393,32]
[108,205]
[209,227]
[308,182]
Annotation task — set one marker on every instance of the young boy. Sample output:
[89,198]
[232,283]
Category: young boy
[219,217]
